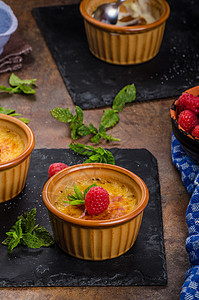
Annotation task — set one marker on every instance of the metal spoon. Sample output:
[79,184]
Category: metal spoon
[108,13]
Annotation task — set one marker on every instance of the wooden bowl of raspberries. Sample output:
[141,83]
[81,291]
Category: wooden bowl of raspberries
[185,121]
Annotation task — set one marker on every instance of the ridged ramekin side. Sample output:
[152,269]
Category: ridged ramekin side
[92,243]
[13,180]
[124,48]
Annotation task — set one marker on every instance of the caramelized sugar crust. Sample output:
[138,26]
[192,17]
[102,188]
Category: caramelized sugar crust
[11,144]
[122,199]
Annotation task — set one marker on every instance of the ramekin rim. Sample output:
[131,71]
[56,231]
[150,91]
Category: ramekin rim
[31,143]
[97,223]
[125,29]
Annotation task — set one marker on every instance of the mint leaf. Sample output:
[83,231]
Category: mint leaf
[94,158]
[74,202]
[25,120]
[109,118]
[16,230]
[77,198]
[26,89]
[6,111]
[14,236]
[15,115]
[78,193]
[6,89]
[10,90]
[39,237]
[78,129]
[108,138]
[100,150]
[92,128]
[83,130]
[62,115]
[102,134]
[13,243]
[126,95]
[78,118]
[95,154]
[96,138]
[15,81]
[82,149]
[31,241]
[79,115]
[28,220]
[72,198]
[74,132]
[41,233]
[108,156]
[105,136]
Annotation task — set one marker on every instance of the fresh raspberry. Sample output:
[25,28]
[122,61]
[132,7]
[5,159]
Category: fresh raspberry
[188,101]
[96,200]
[195,131]
[188,120]
[56,167]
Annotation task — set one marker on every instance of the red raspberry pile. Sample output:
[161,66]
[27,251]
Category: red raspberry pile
[188,113]
[96,200]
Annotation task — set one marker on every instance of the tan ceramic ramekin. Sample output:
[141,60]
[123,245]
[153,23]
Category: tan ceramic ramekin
[124,45]
[13,173]
[94,239]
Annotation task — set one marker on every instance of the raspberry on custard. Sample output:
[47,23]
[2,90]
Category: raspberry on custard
[96,200]
[188,120]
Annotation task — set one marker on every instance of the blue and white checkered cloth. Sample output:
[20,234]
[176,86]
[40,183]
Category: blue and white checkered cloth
[189,170]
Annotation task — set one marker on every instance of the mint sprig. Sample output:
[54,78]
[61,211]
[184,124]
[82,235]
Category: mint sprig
[77,126]
[18,86]
[25,232]
[109,119]
[78,197]
[94,154]
[11,112]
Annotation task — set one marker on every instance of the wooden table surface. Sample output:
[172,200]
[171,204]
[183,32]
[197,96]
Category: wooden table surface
[142,125]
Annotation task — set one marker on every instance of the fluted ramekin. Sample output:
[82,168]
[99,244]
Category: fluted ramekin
[94,239]
[123,45]
[13,173]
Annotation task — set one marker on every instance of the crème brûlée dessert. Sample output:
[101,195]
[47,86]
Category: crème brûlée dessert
[122,199]
[107,222]
[11,144]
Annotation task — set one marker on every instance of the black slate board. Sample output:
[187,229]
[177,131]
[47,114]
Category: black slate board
[143,264]
[93,83]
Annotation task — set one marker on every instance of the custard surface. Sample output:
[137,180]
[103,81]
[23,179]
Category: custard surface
[11,144]
[122,200]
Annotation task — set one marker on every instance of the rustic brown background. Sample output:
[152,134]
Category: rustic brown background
[141,125]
